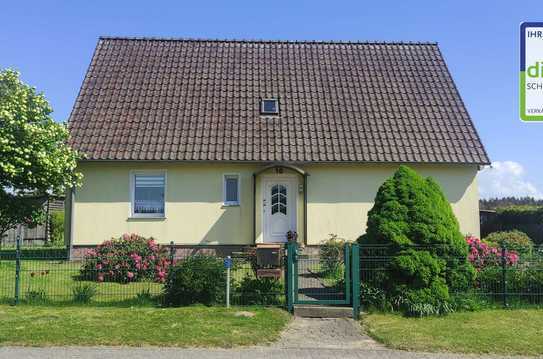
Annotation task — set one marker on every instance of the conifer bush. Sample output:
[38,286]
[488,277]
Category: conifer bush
[412,218]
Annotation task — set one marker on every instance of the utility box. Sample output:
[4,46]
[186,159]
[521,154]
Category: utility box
[268,256]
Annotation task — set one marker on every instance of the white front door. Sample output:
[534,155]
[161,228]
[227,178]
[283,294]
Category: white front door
[278,208]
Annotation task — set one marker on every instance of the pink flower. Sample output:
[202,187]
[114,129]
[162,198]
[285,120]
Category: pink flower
[130,275]
[90,252]
[482,255]
[100,277]
[98,266]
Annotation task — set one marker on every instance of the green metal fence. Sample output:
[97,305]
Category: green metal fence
[502,283]
[49,277]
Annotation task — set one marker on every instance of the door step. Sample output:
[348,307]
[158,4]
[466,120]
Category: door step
[319,311]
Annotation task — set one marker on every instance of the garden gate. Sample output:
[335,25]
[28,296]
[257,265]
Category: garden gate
[316,279]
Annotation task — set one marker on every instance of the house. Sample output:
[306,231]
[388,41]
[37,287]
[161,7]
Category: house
[227,143]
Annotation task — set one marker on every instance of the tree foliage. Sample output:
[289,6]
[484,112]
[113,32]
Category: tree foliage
[413,219]
[19,209]
[35,159]
[495,203]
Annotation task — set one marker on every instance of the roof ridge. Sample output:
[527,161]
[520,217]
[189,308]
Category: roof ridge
[263,41]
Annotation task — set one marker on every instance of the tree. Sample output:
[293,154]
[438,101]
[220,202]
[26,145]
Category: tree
[35,159]
[412,218]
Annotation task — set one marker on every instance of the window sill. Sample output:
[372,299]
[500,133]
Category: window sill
[144,218]
[225,205]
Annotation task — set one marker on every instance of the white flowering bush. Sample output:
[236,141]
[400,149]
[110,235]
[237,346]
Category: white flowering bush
[35,158]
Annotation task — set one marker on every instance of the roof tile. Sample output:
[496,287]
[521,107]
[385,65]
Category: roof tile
[182,99]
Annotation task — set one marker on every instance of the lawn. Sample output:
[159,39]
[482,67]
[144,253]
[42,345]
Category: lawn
[195,326]
[53,281]
[506,332]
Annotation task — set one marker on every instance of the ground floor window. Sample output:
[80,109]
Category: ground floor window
[148,194]
[231,189]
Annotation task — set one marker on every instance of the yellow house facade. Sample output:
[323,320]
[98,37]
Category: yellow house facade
[335,200]
[229,143]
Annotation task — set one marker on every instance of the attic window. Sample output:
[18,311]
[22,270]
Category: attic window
[269,106]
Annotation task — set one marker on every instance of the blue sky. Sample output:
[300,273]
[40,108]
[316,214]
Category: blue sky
[51,43]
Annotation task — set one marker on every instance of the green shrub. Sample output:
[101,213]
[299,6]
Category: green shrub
[36,296]
[43,253]
[523,281]
[413,219]
[197,279]
[57,228]
[468,302]
[373,298]
[331,256]
[260,291]
[83,292]
[145,298]
[528,219]
[512,240]
[520,214]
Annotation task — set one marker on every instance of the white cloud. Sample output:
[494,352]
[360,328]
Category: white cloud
[506,179]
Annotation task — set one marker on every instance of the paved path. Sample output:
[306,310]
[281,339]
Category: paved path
[316,333]
[310,285]
[304,338]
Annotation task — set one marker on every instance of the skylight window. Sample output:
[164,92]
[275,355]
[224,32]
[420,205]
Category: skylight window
[269,106]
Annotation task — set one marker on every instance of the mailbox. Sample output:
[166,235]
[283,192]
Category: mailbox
[268,256]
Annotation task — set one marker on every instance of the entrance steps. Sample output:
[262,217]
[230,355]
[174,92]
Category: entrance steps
[319,311]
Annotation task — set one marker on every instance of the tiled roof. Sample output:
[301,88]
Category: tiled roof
[198,100]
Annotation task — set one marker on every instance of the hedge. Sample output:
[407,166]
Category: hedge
[528,219]
[41,253]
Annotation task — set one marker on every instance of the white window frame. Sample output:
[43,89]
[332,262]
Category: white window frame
[263,112]
[133,174]
[231,203]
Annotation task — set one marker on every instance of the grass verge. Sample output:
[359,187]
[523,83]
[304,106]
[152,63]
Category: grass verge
[194,326]
[506,332]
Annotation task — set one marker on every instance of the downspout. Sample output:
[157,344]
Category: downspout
[305,209]
[254,208]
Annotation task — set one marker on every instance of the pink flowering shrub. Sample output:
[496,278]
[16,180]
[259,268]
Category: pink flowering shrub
[482,255]
[130,258]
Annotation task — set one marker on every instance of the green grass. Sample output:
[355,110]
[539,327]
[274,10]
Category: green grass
[195,326]
[506,332]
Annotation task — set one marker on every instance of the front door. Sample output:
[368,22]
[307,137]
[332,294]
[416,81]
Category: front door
[278,208]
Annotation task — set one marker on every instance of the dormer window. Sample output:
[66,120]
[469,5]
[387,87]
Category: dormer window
[269,106]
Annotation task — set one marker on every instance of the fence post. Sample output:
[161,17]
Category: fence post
[355,275]
[17,265]
[347,271]
[504,277]
[285,271]
[229,265]
[291,247]
[172,252]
